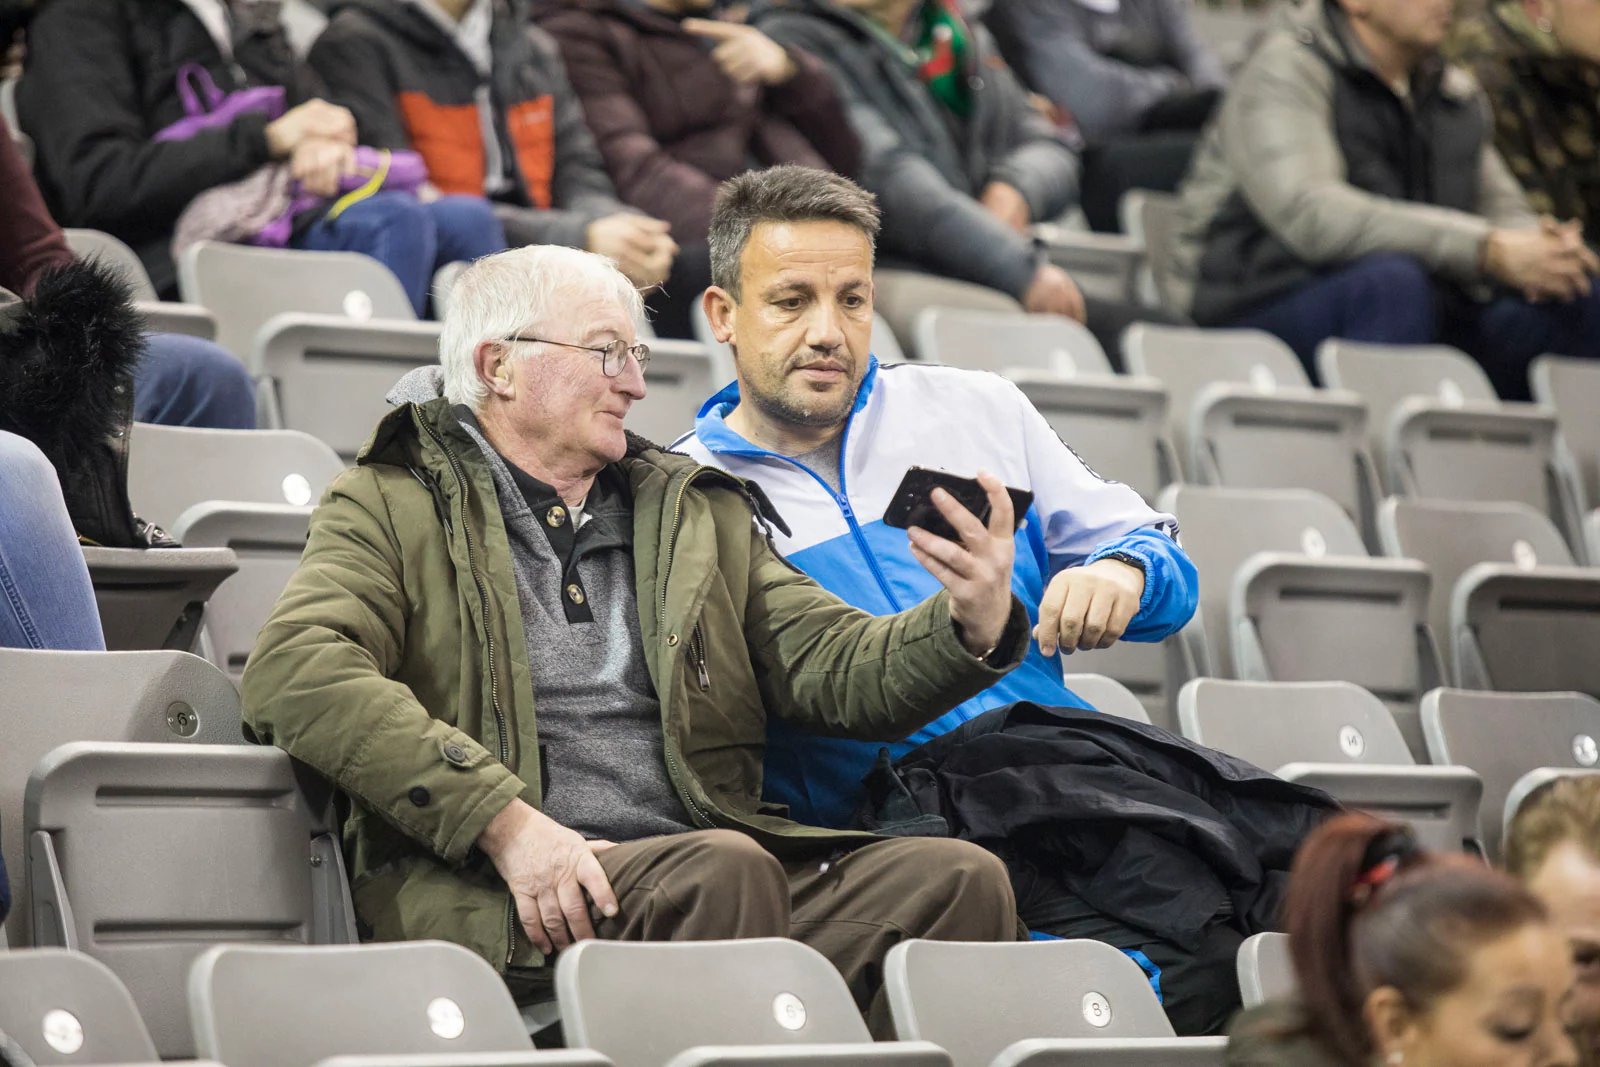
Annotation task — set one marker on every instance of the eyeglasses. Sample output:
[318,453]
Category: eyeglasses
[613,356]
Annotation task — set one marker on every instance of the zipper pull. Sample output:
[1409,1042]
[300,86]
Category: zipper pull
[699,646]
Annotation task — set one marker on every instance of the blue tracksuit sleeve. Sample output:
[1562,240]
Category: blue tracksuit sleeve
[1171,586]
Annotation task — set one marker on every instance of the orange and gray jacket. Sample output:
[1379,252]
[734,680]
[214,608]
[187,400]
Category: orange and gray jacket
[411,85]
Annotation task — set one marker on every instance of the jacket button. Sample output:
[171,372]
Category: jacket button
[420,796]
[455,753]
[556,515]
[672,640]
[575,593]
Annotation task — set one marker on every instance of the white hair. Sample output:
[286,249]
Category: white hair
[514,292]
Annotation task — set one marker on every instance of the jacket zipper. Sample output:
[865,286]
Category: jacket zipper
[494,681]
[697,648]
[696,812]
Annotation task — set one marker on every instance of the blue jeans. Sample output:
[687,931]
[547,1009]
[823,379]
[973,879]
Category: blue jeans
[189,381]
[46,600]
[409,237]
[1392,299]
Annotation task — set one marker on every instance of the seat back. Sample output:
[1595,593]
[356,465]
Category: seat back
[1117,425]
[246,286]
[1266,970]
[143,855]
[1154,218]
[111,252]
[1503,736]
[1031,989]
[1001,342]
[642,1003]
[1116,1052]
[1452,536]
[268,540]
[1270,724]
[64,1007]
[1572,387]
[677,382]
[1186,359]
[414,997]
[901,295]
[171,468]
[155,599]
[1386,375]
[1107,695]
[1152,673]
[51,698]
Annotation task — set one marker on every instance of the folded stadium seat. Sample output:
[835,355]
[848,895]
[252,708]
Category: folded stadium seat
[1266,972]
[1438,430]
[173,468]
[1151,219]
[677,382]
[1591,534]
[727,1003]
[1339,738]
[1117,424]
[1107,695]
[407,1004]
[884,343]
[326,334]
[51,698]
[901,295]
[64,1007]
[1244,414]
[1572,388]
[1042,1003]
[160,316]
[1503,736]
[155,598]
[144,855]
[1105,266]
[1288,594]
[1509,608]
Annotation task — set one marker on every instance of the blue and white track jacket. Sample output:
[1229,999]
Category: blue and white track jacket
[933,416]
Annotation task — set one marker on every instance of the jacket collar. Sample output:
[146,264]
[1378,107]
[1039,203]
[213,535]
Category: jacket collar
[711,427]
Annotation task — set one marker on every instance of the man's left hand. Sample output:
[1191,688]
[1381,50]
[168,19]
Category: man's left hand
[977,570]
[1008,205]
[1089,607]
[744,53]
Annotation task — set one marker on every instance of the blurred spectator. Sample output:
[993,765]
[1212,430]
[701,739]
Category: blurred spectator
[1405,957]
[1539,61]
[103,77]
[960,160]
[1553,846]
[1350,188]
[49,601]
[738,100]
[1132,74]
[181,381]
[482,94]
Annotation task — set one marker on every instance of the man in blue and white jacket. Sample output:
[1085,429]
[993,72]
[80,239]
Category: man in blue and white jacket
[828,433]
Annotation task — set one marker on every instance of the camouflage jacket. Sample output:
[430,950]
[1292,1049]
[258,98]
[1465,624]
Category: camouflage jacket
[1546,110]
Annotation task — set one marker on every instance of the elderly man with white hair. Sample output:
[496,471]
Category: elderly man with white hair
[538,655]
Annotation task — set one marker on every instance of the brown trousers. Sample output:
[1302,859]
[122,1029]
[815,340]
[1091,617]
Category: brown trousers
[853,908]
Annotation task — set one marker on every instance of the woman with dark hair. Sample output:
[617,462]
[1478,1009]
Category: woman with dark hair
[1405,957]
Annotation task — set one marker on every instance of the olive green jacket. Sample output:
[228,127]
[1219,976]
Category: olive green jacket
[395,665]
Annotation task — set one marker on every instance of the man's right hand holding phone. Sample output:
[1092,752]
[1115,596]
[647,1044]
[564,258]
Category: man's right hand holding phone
[977,568]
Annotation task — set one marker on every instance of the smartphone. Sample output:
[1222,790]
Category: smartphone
[913,505]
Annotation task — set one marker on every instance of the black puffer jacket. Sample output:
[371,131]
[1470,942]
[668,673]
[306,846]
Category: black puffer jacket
[101,80]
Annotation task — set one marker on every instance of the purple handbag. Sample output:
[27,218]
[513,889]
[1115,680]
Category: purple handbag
[210,108]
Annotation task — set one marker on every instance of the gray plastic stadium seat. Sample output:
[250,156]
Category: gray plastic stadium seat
[1117,424]
[8,111]
[143,855]
[293,1006]
[678,380]
[1438,430]
[553,1058]
[65,1007]
[1503,736]
[1339,738]
[1510,609]
[268,540]
[1266,971]
[1152,219]
[1107,695]
[155,598]
[1153,673]
[1105,266]
[1523,789]
[1112,1052]
[641,1004]
[1572,388]
[50,698]
[1031,991]
[1591,534]
[1288,594]
[172,468]
[884,343]
[901,295]
[160,316]
[1243,414]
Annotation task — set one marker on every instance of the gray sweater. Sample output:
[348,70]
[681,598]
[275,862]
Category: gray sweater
[1106,69]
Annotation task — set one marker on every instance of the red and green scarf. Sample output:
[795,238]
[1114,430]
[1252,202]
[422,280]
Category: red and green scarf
[943,46]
